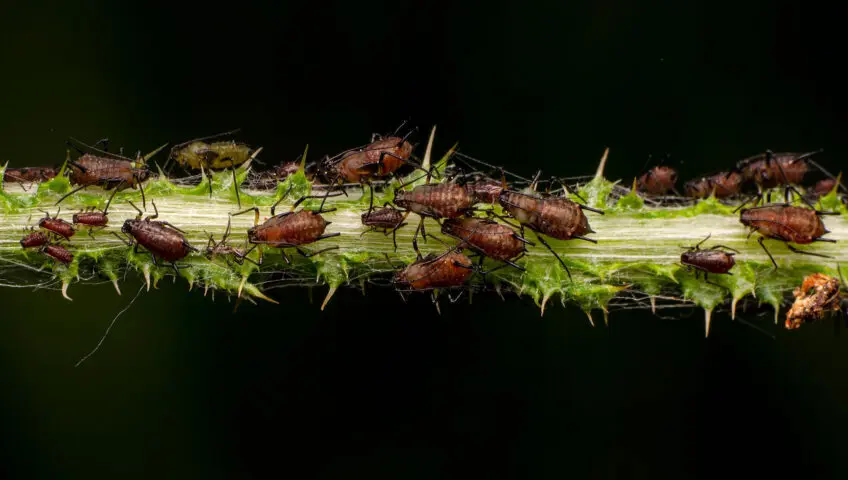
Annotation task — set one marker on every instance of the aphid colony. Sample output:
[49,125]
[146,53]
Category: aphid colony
[487,218]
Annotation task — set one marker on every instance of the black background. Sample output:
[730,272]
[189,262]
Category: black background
[184,387]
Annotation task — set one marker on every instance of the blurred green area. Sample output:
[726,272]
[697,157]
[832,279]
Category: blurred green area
[185,387]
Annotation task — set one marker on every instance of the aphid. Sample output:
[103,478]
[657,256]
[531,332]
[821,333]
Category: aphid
[197,154]
[555,217]
[710,260]
[450,269]
[56,225]
[386,220]
[488,238]
[290,229]
[34,239]
[222,248]
[163,240]
[722,185]
[485,190]
[823,187]
[817,295]
[786,169]
[788,224]
[58,253]
[269,179]
[657,181]
[435,200]
[93,219]
[28,175]
[380,158]
[108,171]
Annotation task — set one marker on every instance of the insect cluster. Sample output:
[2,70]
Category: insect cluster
[485,222]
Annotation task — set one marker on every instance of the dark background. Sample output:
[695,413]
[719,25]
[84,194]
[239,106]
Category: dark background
[184,387]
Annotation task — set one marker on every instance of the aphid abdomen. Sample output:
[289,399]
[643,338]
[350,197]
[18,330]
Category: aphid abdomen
[792,224]
[28,174]
[91,219]
[448,270]
[711,261]
[524,208]
[57,226]
[562,219]
[105,172]
[658,181]
[394,152]
[163,242]
[492,239]
[59,253]
[484,191]
[443,200]
[34,239]
[291,229]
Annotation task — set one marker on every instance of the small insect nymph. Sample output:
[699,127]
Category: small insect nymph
[711,260]
[107,170]
[657,181]
[28,175]
[722,185]
[290,229]
[788,224]
[34,239]
[58,253]
[387,220]
[56,225]
[163,240]
[222,248]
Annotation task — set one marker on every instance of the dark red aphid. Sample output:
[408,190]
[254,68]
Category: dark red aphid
[710,260]
[657,181]
[722,184]
[58,253]
[769,169]
[56,225]
[823,187]
[93,219]
[29,174]
[488,238]
[450,269]
[386,220]
[382,157]
[437,200]
[163,240]
[788,224]
[290,229]
[34,239]
[108,171]
[555,217]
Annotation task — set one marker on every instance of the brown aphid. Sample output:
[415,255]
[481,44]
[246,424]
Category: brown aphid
[380,158]
[269,179]
[108,171]
[224,249]
[788,224]
[92,218]
[450,269]
[436,200]
[488,238]
[722,185]
[56,225]
[823,187]
[555,217]
[769,169]
[290,229]
[29,174]
[34,239]
[58,253]
[657,181]
[710,260]
[817,295]
[163,240]
[386,220]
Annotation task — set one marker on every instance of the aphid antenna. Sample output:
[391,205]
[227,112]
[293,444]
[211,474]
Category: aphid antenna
[72,141]
[488,165]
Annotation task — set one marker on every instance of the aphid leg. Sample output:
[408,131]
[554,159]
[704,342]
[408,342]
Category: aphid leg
[307,254]
[109,202]
[155,213]
[168,224]
[760,241]
[543,242]
[418,255]
[125,241]
[71,193]
[584,207]
[580,237]
[140,213]
[698,245]
[140,189]
[255,211]
[804,252]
